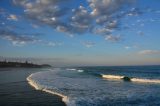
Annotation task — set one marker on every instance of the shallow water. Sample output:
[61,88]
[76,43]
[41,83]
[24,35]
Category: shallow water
[88,88]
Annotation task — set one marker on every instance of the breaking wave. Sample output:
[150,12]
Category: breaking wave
[113,77]
[37,86]
[73,69]
[138,80]
[77,89]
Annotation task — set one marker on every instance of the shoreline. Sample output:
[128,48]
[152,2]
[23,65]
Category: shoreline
[15,90]
[36,87]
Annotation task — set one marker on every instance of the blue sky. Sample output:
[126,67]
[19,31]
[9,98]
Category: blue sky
[81,32]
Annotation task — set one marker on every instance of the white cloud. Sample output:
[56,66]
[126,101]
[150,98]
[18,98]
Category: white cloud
[88,44]
[100,16]
[103,7]
[113,38]
[12,17]
[53,44]
[148,52]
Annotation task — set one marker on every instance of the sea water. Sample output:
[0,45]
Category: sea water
[15,90]
[101,86]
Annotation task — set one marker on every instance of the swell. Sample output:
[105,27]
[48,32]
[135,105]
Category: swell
[37,86]
[137,80]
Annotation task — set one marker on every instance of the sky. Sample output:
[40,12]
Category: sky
[81,32]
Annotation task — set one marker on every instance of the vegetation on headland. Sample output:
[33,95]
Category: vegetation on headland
[26,64]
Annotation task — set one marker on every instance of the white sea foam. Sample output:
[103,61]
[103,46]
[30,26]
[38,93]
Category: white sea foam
[33,83]
[80,71]
[112,77]
[39,87]
[65,99]
[71,69]
[91,91]
[138,80]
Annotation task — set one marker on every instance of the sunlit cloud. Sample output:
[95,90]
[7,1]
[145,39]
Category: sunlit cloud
[83,19]
[12,17]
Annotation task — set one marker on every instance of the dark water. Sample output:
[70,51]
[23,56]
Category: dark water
[130,71]
[15,90]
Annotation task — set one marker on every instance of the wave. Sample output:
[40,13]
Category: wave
[37,86]
[88,89]
[33,83]
[73,69]
[138,80]
[112,77]
[74,91]
[145,80]
[80,71]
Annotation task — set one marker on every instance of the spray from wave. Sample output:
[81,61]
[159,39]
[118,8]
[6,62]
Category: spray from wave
[138,80]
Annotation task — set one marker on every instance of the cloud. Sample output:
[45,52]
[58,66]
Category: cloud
[103,31]
[105,7]
[4,14]
[53,44]
[19,39]
[81,21]
[148,52]
[88,44]
[16,39]
[99,16]
[113,38]
[134,12]
[12,17]
[131,46]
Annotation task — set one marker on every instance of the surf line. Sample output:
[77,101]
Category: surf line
[35,85]
[125,78]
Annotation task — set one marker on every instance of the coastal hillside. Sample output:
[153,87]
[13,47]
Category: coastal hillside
[5,64]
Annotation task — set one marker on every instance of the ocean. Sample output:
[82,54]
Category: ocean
[101,86]
[80,86]
[15,90]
